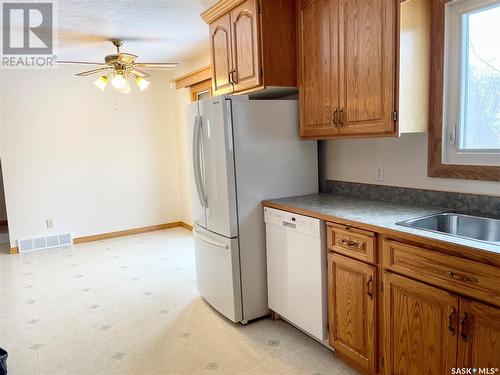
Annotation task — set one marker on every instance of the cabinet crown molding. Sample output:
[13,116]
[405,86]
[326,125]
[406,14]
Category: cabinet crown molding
[219,9]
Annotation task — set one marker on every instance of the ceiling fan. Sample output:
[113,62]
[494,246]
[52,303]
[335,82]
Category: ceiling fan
[117,68]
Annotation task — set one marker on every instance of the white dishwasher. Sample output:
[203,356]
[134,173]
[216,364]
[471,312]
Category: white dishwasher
[296,270]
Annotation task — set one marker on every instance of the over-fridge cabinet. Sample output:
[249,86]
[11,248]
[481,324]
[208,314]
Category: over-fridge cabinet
[252,45]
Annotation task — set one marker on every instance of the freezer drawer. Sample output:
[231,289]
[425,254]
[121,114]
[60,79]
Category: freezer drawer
[296,270]
[218,272]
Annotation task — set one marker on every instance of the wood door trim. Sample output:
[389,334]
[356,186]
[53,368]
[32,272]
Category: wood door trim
[436,168]
[194,77]
[203,86]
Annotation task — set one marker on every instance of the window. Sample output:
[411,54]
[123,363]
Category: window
[471,116]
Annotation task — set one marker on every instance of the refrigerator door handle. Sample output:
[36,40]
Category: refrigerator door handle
[204,239]
[196,161]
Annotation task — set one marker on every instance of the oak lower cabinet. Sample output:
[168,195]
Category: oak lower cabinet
[352,310]
[420,328]
[430,331]
[252,44]
[479,335]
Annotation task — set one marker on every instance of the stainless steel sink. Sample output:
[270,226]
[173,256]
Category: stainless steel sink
[458,225]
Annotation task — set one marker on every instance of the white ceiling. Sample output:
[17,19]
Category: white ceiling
[155,30]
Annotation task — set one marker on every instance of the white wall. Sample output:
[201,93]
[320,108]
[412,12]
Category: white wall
[92,162]
[183,98]
[404,160]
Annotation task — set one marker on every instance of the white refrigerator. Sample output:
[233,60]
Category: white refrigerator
[242,151]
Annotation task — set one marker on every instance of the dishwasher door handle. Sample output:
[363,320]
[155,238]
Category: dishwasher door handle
[286,224]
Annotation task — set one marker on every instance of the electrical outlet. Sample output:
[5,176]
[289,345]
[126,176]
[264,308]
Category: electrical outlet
[380,172]
[49,223]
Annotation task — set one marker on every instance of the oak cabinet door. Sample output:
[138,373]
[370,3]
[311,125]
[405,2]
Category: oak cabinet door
[367,65]
[317,33]
[479,335]
[351,306]
[245,46]
[421,324]
[220,51]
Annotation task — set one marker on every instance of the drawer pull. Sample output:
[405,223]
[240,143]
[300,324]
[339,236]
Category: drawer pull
[369,285]
[451,328]
[463,322]
[351,245]
[466,279]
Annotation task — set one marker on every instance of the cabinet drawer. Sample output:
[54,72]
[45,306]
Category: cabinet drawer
[459,275]
[353,242]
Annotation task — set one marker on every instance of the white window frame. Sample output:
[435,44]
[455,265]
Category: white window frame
[454,82]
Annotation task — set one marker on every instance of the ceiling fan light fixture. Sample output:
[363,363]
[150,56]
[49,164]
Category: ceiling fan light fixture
[126,89]
[142,83]
[101,82]
[119,82]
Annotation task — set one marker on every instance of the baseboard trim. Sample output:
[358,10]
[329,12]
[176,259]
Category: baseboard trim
[126,232]
[121,233]
[186,226]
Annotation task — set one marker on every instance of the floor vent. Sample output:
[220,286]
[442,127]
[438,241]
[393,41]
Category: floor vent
[38,243]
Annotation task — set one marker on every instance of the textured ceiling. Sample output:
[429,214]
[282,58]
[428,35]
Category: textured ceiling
[155,30]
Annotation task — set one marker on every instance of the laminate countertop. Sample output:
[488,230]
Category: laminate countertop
[375,215]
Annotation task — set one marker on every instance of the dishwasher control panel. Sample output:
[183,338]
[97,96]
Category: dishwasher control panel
[303,224]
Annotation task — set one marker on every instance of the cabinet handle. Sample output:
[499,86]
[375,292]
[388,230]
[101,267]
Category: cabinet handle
[463,321]
[466,279]
[369,285]
[334,119]
[232,75]
[351,245]
[451,317]
[342,117]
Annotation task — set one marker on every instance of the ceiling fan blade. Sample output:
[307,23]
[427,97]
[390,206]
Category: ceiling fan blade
[93,71]
[78,62]
[155,65]
[139,73]
[126,58]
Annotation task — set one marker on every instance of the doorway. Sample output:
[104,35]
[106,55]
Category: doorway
[4,224]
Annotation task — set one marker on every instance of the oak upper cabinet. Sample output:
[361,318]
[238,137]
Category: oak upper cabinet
[349,66]
[351,309]
[420,328]
[367,66]
[220,51]
[479,335]
[252,44]
[317,66]
[245,46]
